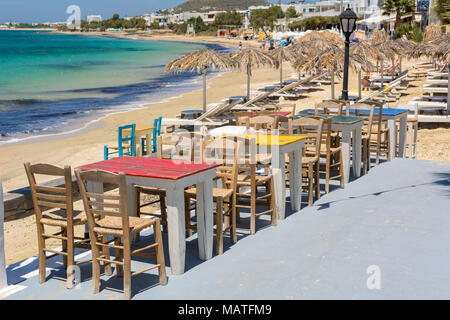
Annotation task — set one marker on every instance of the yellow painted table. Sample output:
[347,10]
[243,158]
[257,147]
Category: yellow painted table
[142,133]
[278,146]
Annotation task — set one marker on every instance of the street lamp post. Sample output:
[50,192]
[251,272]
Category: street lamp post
[348,24]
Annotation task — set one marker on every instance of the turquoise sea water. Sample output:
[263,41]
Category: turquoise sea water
[52,82]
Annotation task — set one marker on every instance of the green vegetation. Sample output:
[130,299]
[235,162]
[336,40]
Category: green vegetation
[206,5]
[442,9]
[314,23]
[411,32]
[261,18]
[399,7]
[291,13]
[229,18]
[115,22]
[198,23]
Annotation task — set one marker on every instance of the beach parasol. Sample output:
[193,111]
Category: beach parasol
[249,58]
[283,54]
[200,61]
[325,35]
[333,60]
[368,53]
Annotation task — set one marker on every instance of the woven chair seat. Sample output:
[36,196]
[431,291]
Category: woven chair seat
[217,192]
[113,225]
[244,180]
[308,160]
[58,218]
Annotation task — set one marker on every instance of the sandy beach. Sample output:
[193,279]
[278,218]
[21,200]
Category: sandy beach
[87,146]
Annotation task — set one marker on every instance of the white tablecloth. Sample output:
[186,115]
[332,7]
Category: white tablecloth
[217,132]
[3,282]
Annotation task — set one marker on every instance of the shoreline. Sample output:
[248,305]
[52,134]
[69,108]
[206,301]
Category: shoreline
[85,125]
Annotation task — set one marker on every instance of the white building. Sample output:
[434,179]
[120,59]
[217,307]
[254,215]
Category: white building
[94,18]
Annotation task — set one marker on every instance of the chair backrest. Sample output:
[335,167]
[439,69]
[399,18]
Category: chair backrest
[263,122]
[104,205]
[328,107]
[326,132]
[44,196]
[156,132]
[181,146]
[369,118]
[311,128]
[129,139]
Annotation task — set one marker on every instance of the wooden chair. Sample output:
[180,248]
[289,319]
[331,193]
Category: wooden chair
[62,215]
[219,151]
[329,107]
[248,178]
[366,133]
[264,122]
[312,128]
[180,147]
[126,143]
[330,157]
[114,220]
[291,107]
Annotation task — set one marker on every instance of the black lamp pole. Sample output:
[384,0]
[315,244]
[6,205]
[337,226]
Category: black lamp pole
[348,24]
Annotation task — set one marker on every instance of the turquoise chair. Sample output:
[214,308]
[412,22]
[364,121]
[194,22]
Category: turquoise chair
[130,141]
[156,132]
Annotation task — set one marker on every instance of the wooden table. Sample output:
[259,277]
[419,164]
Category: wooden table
[349,126]
[173,176]
[278,146]
[140,134]
[391,116]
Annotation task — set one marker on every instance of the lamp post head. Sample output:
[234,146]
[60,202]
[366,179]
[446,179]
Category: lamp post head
[348,21]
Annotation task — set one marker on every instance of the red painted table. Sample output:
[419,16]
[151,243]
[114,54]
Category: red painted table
[173,176]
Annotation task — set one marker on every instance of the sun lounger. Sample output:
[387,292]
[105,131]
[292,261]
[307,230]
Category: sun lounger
[431,98]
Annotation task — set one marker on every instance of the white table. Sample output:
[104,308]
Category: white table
[173,176]
[3,280]
[217,132]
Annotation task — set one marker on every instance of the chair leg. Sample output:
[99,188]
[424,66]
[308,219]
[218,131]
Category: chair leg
[95,266]
[341,169]
[310,183]
[160,253]
[317,180]
[273,212]
[105,251]
[219,225]
[416,129]
[327,173]
[42,255]
[163,206]
[253,209]
[70,257]
[233,221]
[388,139]
[64,246]
[127,270]
[119,257]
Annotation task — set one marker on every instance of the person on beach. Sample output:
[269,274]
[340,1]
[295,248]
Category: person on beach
[240,46]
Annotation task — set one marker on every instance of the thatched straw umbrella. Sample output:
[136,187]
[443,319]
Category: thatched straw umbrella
[283,54]
[432,32]
[250,58]
[200,61]
[333,60]
[378,36]
[326,35]
[368,53]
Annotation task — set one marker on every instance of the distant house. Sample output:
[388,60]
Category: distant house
[94,18]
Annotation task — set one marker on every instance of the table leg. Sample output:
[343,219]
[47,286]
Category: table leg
[205,219]
[295,181]
[402,137]
[346,154]
[279,183]
[392,137]
[177,230]
[356,152]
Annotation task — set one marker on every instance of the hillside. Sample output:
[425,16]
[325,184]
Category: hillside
[206,5]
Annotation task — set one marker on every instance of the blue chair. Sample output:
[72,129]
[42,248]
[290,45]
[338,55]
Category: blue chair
[127,143]
[156,131]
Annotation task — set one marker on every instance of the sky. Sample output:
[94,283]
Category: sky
[55,10]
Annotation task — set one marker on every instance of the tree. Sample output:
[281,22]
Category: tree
[399,7]
[442,9]
[229,18]
[291,13]
[262,18]
[115,16]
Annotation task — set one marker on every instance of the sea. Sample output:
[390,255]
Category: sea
[53,83]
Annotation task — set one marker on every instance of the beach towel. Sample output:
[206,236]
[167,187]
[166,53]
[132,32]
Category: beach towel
[3,282]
